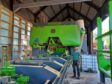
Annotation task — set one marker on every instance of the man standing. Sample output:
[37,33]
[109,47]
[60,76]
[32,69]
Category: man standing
[75,54]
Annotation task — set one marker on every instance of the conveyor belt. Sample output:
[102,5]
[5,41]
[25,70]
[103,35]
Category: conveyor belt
[26,63]
[51,64]
[38,75]
[58,59]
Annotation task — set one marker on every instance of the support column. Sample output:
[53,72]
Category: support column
[89,40]
[11,29]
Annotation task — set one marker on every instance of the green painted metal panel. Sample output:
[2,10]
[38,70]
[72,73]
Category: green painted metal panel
[105,65]
[110,28]
[69,35]
[102,62]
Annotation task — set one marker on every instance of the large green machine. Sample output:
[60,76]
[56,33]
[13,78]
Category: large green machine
[59,35]
[69,35]
[105,66]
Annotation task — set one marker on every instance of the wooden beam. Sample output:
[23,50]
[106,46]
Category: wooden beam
[88,11]
[46,14]
[68,12]
[60,9]
[41,9]
[35,0]
[11,5]
[75,11]
[57,14]
[53,9]
[17,7]
[20,1]
[80,9]
[30,11]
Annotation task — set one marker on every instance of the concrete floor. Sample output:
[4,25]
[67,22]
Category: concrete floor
[86,78]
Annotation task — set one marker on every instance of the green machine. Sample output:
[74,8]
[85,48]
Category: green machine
[55,35]
[69,35]
[105,66]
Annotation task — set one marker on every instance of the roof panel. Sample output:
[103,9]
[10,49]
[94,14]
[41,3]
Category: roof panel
[71,5]
[92,13]
[98,2]
[49,12]
[60,17]
[84,8]
[65,13]
[77,6]
[56,8]
[62,6]
[71,13]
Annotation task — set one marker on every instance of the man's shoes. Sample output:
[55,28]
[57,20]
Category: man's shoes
[78,78]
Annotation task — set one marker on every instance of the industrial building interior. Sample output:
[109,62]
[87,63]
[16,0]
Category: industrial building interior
[55,41]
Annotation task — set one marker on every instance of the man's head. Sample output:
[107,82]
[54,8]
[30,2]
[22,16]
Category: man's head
[76,49]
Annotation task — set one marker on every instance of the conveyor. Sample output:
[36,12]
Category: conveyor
[37,74]
[53,68]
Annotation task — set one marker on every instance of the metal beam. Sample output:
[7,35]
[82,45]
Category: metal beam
[75,11]
[57,14]
[17,7]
